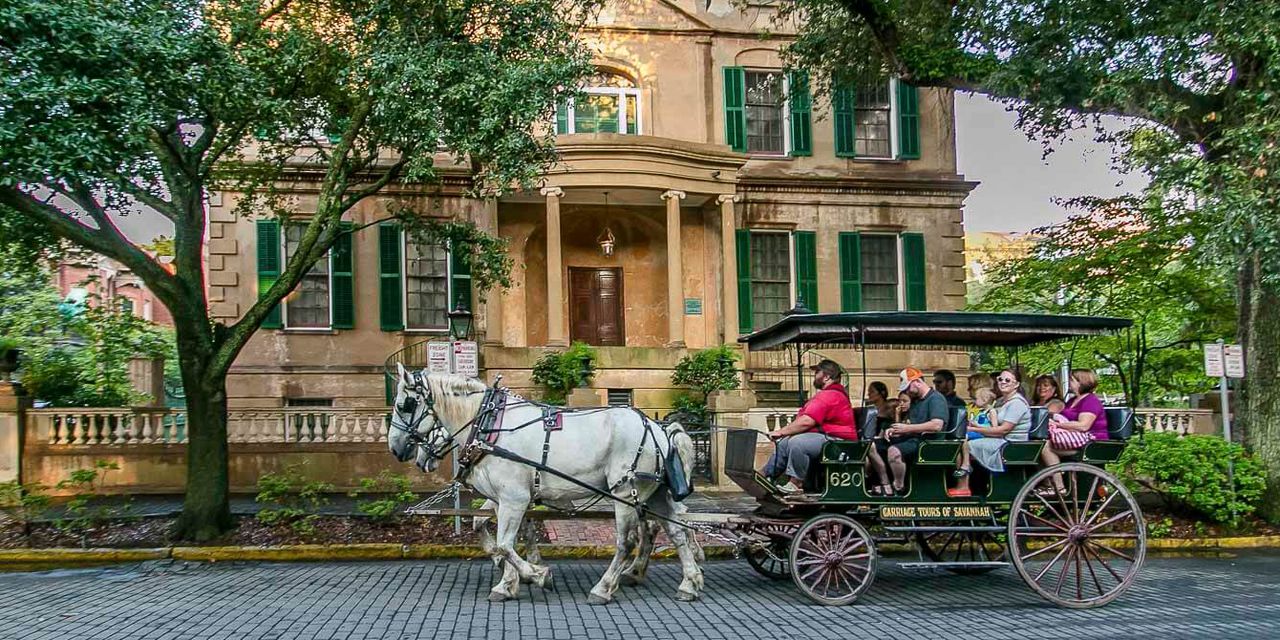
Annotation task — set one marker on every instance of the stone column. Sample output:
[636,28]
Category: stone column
[493,299]
[12,404]
[675,271]
[729,251]
[555,270]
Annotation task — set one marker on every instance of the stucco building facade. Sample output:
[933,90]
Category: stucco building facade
[701,191]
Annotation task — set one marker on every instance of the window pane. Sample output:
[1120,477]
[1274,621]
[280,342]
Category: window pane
[764,112]
[596,114]
[873,113]
[770,278]
[633,125]
[426,284]
[308,305]
[879,273]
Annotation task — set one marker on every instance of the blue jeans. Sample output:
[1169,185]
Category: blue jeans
[794,454]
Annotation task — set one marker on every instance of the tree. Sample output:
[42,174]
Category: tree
[1113,260]
[1198,79]
[111,105]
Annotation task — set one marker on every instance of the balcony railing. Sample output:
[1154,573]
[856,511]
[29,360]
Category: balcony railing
[136,426]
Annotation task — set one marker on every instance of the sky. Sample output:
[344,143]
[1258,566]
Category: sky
[1018,186]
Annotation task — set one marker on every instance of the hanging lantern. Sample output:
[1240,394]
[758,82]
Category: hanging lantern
[606,240]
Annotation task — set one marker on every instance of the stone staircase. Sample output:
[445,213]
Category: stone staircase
[769,393]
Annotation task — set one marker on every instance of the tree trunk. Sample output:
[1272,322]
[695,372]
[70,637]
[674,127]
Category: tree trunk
[206,509]
[1259,410]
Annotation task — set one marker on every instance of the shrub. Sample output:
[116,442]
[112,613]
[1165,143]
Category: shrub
[83,511]
[1189,474]
[291,499]
[394,491]
[708,370]
[560,372]
[24,503]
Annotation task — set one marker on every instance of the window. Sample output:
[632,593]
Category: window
[766,126]
[873,114]
[610,104]
[880,279]
[426,286]
[770,277]
[308,306]
[620,397]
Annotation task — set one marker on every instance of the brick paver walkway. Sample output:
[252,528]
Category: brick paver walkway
[1176,598]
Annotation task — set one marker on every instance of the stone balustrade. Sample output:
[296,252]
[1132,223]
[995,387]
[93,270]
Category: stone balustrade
[1180,421]
[144,426]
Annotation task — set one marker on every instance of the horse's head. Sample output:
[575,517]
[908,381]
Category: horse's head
[416,431]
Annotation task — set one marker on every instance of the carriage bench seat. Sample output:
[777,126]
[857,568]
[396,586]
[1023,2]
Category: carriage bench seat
[845,452]
[1022,454]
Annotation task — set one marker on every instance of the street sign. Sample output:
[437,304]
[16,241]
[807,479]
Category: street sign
[1233,355]
[1213,366]
[466,360]
[438,357]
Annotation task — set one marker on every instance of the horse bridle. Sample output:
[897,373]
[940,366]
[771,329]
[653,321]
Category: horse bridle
[411,431]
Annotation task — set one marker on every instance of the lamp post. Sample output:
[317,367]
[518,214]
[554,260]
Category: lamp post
[459,329]
[799,309]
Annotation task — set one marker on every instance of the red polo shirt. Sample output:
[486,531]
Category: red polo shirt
[833,412]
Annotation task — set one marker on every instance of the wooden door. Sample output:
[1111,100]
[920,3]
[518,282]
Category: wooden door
[595,306]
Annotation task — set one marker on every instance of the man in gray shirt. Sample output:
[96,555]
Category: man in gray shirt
[928,414]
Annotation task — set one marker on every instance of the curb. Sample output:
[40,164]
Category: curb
[390,551]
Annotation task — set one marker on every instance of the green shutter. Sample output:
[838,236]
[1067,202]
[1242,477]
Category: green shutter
[269,266]
[344,282]
[743,237]
[800,102]
[735,112]
[850,271]
[562,116]
[390,293]
[843,102]
[460,280]
[908,122]
[913,264]
[807,268]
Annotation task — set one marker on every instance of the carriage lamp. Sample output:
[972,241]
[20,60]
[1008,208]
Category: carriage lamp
[799,308]
[460,320]
[607,242]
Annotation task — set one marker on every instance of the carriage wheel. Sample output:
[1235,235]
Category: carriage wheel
[772,560]
[833,559]
[1081,547]
[962,547]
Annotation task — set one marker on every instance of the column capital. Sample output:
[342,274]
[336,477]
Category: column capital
[673,193]
[728,197]
[551,192]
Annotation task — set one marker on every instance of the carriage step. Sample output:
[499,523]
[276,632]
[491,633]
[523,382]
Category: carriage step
[919,566]
[946,529]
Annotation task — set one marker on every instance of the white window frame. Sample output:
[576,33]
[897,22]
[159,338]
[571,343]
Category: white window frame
[901,287]
[404,288]
[284,304]
[785,81]
[621,93]
[893,126]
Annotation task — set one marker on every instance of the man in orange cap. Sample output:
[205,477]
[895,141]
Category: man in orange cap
[901,441]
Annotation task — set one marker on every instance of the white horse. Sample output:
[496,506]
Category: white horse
[616,450]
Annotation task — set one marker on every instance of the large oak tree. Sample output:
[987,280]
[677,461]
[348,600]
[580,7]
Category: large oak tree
[111,105]
[1197,78]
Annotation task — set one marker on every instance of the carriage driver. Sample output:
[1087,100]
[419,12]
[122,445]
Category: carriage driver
[829,414]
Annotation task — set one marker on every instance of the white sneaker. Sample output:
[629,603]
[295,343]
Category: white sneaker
[790,489]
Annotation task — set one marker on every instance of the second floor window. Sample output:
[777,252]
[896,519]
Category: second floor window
[609,103]
[766,123]
[307,307]
[873,112]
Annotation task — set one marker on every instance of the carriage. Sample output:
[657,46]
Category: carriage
[1079,548]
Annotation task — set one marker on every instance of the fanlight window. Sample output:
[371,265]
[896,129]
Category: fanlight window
[610,104]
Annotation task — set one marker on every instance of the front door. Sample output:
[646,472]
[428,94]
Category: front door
[595,306]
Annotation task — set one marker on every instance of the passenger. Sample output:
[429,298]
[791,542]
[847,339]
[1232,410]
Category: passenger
[1010,420]
[944,382]
[978,382]
[828,414]
[887,413]
[901,441]
[1081,422]
[1055,406]
[1046,388]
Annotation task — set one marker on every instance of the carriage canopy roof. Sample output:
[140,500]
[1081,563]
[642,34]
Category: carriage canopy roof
[935,329]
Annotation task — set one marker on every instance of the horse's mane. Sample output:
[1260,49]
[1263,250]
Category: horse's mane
[457,398]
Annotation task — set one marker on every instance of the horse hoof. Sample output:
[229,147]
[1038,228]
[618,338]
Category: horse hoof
[494,596]
[549,582]
[686,597]
[596,600]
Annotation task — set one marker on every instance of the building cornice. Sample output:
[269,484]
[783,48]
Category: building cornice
[896,186]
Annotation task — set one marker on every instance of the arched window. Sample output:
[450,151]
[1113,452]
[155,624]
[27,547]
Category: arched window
[611,104]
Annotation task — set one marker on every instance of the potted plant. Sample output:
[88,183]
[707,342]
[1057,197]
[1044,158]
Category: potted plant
[8,357]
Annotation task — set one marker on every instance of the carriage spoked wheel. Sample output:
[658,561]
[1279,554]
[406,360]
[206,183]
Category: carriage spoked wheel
[1080,547]
[773,560]
[952,546]
[833,559]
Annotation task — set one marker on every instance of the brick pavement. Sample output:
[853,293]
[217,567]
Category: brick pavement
[1177,598]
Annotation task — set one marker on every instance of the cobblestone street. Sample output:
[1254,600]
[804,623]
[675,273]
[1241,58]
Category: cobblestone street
[1177,598]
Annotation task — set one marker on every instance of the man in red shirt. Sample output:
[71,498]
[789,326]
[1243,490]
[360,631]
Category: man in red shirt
[828,414]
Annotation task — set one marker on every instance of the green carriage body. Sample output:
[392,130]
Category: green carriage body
[839,505]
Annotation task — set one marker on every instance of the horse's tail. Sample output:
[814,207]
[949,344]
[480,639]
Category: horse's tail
[684,446]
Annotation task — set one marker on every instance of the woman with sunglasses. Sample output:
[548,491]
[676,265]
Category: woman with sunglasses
[1010,419]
